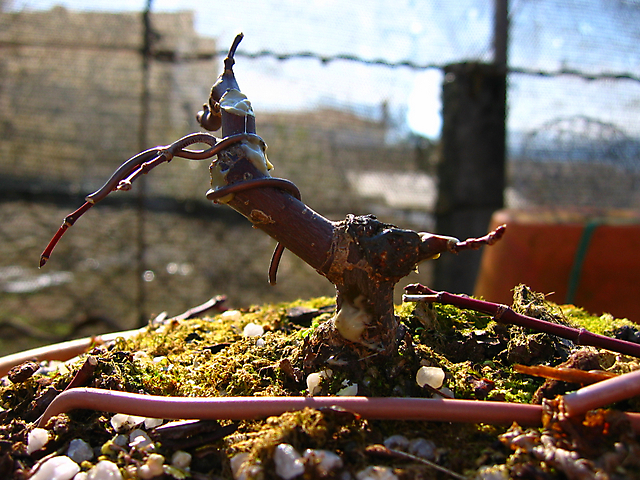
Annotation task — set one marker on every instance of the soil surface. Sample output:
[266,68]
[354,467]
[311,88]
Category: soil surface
[266,351]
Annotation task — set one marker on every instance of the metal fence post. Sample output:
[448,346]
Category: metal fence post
[471,171]
[143,141]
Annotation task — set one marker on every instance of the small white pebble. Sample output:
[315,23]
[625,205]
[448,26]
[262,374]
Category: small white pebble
[152,467]
[313,383]
[323,460]
[150,423]
[260,342]
[139,439]
[121,440]
[81,476]
[252,330]
[118,421]
[432,376]
[104,470]
[288,462]
[348,391]
[397,442]
[231,315]
[121,421]
[57,468]
[237,462]
[494,472]
[37,438]
[79,451]
[155,461]
[422,448]
[181,459]
[375,472]
[144,472]
[243,469]
[141,356]
[314,380]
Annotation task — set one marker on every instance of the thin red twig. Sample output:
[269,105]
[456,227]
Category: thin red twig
[504,314]
[213,303]
[69,220]
[476,243]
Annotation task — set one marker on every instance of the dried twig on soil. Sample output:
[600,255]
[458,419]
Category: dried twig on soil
[571,375]
[382,451]
[214,303]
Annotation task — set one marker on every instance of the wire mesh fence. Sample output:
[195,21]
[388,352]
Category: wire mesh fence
[348,101]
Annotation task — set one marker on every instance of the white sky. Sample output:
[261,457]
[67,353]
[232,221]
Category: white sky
[551,34]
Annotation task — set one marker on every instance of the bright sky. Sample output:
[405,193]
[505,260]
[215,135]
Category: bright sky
[330,27]
[551,34]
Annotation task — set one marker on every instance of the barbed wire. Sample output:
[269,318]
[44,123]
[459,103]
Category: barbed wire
[576,73]
[325,59]
[345,57]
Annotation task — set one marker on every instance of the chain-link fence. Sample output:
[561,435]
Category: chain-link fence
[347,97]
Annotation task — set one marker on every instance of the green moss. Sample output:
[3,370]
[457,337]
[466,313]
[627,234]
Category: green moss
[450,317]
[604,324]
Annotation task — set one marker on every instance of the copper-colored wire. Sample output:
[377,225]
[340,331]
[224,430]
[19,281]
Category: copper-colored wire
[142,163]
[238,408]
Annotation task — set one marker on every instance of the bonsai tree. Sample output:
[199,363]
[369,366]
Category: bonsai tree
[363,257]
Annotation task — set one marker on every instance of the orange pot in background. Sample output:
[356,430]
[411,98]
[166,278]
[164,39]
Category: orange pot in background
[587,258]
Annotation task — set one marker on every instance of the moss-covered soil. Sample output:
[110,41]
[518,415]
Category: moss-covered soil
[215,357]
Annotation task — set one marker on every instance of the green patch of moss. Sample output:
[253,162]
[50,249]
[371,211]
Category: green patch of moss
[604,324]
[450,317]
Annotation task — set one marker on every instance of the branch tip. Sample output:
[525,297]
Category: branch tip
[229,61]
[234,46]
[475,243]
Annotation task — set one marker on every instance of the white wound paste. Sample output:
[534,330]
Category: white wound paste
[236,102]
[219,180]
[256,151]
[452,241]
[351,320]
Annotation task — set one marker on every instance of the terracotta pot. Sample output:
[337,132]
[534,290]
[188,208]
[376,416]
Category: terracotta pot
[582,257]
